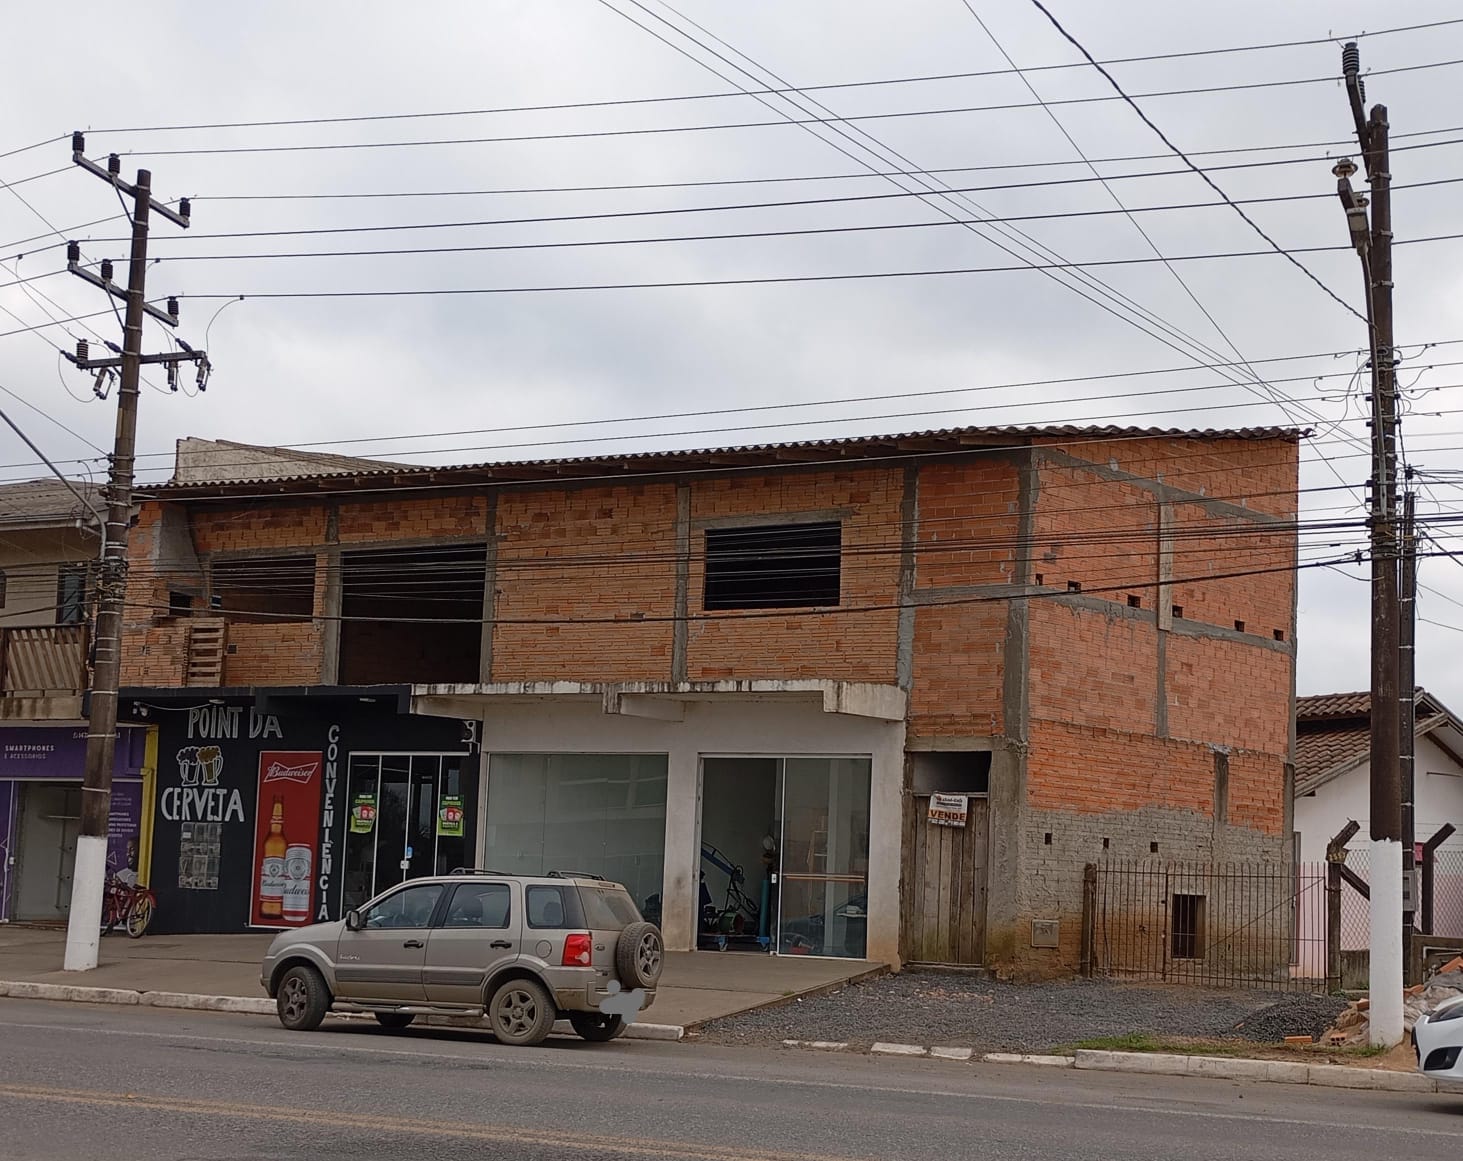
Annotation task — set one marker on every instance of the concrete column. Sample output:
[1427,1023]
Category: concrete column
[682,844]
[886,829]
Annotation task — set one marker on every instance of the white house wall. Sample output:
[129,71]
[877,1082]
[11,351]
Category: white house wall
[1439,799]
[721,728]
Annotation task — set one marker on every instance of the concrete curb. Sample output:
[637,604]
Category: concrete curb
[1277,1071]
[259,1006]
[1164,1064]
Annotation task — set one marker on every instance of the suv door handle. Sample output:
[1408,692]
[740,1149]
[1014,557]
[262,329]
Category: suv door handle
[414,943]
[503,943]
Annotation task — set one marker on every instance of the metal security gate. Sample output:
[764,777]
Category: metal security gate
[945,885]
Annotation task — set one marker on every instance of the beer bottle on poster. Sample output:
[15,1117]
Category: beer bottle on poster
[272,871]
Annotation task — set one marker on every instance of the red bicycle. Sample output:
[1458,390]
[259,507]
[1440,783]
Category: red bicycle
[127,905]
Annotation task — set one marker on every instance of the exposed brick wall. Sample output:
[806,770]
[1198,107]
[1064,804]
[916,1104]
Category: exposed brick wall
[969,521]
[256,526]
[456,515]
[585,554]
[286,653]
[1093,668]
[1229,694]
[852,646]
[1090,770]
[959,668]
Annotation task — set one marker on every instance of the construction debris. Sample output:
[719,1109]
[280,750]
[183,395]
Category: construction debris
[1353,1026]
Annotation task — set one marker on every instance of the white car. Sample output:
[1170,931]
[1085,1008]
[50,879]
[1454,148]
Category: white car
[1438,1039]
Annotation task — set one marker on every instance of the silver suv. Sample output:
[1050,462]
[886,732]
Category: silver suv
[520,950]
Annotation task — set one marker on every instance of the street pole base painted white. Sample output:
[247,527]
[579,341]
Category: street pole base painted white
[88,882]
[1385,877]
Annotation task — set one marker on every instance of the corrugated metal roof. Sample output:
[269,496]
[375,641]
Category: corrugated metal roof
[44,501]
[646,461]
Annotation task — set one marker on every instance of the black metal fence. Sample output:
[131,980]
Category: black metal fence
[1218,925]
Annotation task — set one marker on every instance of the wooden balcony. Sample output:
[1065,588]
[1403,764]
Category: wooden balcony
[42,660]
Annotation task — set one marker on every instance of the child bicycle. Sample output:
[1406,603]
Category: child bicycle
[127,905]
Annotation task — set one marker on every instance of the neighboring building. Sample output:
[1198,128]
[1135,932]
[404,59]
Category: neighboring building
[49,540]
[1333,787]
[613,663]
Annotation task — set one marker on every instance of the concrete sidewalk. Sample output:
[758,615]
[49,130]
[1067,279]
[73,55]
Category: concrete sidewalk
[696,986]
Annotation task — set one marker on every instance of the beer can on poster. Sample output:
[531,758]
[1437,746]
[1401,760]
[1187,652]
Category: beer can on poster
[297,861]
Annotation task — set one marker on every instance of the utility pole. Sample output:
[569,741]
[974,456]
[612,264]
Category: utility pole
[1407,648]
[1373,241]
[89,877]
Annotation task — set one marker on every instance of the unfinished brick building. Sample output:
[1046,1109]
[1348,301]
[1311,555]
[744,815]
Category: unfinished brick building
[731,679]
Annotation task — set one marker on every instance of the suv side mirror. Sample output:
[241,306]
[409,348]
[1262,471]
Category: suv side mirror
[353,921]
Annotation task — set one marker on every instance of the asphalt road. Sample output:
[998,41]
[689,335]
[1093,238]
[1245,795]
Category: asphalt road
[107,1082]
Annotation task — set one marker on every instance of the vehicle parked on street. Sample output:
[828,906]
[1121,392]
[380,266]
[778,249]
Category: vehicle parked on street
[1438,1040]
[521,951]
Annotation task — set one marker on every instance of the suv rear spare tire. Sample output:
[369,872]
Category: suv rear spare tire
[640,955]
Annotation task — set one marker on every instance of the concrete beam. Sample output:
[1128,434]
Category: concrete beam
[638,705]
[860,699]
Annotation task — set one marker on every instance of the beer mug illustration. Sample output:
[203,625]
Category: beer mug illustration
[297,861]
[210,764]
[188,766]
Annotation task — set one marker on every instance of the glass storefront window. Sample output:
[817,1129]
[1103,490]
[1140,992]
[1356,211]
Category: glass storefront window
[823,888]
[598,813]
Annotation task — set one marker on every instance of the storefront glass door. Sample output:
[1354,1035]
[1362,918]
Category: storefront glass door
[823,888]
[407,817]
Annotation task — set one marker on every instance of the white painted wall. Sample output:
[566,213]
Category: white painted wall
[781,728]
[1439,799]
[29,562]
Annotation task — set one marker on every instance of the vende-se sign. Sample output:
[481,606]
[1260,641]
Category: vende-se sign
[949,809]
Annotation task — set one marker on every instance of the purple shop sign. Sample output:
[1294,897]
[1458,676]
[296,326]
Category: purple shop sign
[60,752]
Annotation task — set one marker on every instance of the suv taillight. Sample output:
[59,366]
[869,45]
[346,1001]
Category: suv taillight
[578,951]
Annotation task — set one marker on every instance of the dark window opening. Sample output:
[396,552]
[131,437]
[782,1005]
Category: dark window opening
[71,594]
[179,604]
[1280,634]
[412,614]
[1239,626]
[1074,586]
[265,589]
[2,590]
[1134,602]
[1178,612]
[774,566]
[1187,927]
[1040,579]
[951,772]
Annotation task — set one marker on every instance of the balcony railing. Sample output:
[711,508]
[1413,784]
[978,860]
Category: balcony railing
[42,659]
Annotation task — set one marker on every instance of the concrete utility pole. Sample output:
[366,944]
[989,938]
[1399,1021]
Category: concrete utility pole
[1407,647]
[1373,243]
[88,884]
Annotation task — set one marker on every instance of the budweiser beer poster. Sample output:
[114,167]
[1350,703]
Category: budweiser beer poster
[286,838]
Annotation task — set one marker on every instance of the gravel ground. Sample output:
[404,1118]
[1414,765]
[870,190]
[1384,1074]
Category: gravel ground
[939,1008]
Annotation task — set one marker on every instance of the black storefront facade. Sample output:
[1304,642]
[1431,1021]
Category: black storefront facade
[279,807]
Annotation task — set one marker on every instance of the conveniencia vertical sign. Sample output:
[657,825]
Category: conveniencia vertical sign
[286,838]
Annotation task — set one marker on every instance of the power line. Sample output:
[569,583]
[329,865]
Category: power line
[766,92]
[782,233]
[586,134]
[769,280]
[1087,286]
[1209,181]
[861,176]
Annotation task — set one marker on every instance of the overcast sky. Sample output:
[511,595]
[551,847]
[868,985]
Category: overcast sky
[292,370]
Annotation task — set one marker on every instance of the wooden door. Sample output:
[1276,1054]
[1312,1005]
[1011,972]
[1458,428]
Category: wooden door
[945,885]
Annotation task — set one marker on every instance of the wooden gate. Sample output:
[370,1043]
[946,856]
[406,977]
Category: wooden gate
[945,885]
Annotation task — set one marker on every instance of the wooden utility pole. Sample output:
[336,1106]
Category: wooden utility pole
[1373,241]
[89,877]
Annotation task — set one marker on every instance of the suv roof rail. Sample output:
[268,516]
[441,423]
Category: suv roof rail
[574,875]
[477,871]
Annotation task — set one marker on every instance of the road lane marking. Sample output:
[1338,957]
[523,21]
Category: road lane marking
[458,1130]
[319,1048]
